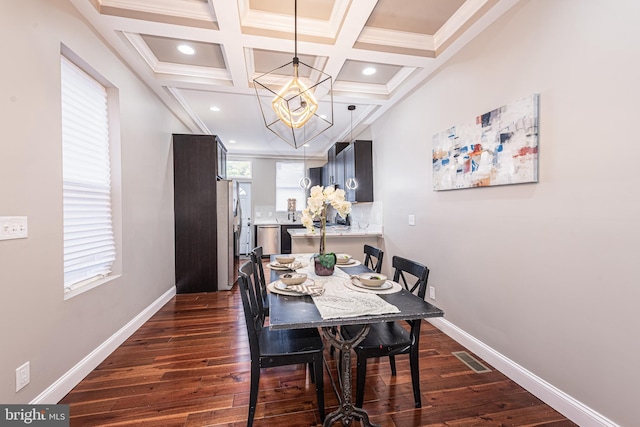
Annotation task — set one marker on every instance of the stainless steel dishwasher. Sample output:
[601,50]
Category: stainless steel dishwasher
[269,238]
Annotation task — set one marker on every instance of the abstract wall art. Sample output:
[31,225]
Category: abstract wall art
[500,147]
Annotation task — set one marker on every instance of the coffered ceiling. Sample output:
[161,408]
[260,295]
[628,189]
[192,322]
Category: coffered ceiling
[235,41]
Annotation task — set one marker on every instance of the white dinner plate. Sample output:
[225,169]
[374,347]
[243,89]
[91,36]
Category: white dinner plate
[386,285]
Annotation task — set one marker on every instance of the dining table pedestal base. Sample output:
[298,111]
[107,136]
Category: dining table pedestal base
[346,411]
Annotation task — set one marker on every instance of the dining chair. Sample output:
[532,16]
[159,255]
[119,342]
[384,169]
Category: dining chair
[270,348]
[259,278]
[373,258]
[390,339]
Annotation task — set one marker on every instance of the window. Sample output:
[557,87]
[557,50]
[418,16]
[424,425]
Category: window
[239,169]
[89,247]
[288,175]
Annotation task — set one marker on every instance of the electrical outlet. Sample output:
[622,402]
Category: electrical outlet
[412,220]
[22,376]
[432,292]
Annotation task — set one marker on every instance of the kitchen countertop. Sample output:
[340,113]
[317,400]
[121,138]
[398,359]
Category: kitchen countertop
[339,231]
[276,221]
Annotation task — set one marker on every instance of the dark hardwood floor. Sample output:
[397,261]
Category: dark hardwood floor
[189,366]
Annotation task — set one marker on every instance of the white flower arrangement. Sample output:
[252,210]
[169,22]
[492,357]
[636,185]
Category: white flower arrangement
[319,200]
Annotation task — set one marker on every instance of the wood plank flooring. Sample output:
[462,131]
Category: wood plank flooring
[189,364]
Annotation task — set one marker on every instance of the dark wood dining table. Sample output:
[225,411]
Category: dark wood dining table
[298,312]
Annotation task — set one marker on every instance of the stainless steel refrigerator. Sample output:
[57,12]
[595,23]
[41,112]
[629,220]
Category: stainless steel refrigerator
[228,230]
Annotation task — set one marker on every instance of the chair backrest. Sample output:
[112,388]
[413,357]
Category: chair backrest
[259,277]
[373,258]
[404,269]
[253,315]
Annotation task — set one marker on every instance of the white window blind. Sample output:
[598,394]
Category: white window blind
[288,176]
[89,248]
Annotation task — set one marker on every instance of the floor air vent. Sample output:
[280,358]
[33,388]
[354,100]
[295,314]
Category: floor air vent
[471,362]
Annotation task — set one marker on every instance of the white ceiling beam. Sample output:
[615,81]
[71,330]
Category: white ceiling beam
[229,24]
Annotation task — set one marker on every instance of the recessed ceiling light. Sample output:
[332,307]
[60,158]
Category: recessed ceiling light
[186,49]
[214,108]
[232,141]
[323,116]
[369,71]
[306,145]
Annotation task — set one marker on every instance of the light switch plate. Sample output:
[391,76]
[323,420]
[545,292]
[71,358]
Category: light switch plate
[13,227]
[412,220]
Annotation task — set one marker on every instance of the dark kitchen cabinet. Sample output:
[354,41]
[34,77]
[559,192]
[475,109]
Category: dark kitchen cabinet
[315,175]
[325,174]
[339,168]
[356,162]
[194,179]
[330,172]
[285,237]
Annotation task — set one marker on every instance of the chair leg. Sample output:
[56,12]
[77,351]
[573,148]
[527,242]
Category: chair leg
[253,394]
[392,362]
[415,375]
[312,373]
[361,376]
[319,374]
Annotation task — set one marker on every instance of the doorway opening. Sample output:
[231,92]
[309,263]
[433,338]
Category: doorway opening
[246,228]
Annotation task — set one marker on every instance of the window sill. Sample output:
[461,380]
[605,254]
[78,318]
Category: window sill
[72,292]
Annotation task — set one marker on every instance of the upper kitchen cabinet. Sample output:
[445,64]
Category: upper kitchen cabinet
[330,172]
[355,164]
[315,175]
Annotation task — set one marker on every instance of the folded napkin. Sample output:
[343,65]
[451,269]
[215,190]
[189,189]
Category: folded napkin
[337,302]
[312,289]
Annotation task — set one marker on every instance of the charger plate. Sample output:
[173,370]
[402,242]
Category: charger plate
[308,287]
[352,263]
[389,287]
[275,265]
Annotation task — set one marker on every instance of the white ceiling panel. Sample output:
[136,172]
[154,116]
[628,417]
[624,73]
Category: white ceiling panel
[237,40]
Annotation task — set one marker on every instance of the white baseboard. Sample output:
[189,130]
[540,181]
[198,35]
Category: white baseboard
[552,396]
[59,389]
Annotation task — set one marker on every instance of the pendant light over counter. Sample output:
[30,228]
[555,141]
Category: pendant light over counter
[296,100]
[351,182]
[305,181]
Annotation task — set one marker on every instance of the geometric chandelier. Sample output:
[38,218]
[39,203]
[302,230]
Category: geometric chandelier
[296,99]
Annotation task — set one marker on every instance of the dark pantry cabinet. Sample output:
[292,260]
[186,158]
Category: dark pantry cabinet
[195,170]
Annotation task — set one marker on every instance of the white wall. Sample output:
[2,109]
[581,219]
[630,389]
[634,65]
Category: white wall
[544,273]
[38,325]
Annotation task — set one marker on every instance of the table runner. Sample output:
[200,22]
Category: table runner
[339,301]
